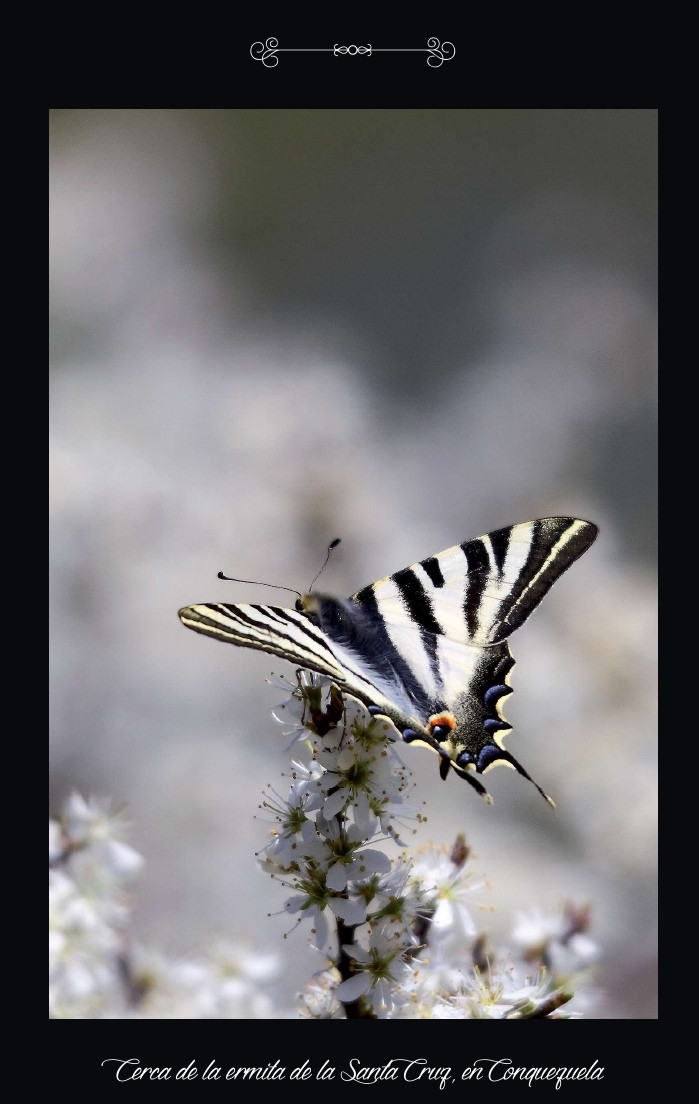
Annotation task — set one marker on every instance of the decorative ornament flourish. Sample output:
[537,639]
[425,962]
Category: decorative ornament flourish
[266,52]
[439,52]
[353,50]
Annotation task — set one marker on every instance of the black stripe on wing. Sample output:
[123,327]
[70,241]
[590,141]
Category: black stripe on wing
[500,541]
[271,629]
[433,571]
[517,586]
[555,544]
[385,658]
[478,568]
[419,606]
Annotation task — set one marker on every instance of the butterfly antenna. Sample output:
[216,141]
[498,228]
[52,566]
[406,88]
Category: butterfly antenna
[256,582]
[333,544]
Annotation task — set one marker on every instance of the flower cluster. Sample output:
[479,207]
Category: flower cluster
[96,970]
[399,934]
[347,797]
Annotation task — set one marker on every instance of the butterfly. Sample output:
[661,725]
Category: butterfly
[426,647]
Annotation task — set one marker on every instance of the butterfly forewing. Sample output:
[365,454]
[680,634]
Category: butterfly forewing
[291,636]
[281,632]
[480,591]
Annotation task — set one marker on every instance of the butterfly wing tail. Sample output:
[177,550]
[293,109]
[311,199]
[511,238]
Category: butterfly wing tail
[468,776]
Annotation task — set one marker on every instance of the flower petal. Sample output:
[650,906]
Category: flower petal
[336,878]
[352,912]
[320,922]
[370,861]
[334,804]
[354,987]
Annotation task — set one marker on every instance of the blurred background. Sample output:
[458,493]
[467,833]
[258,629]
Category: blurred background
[404,328]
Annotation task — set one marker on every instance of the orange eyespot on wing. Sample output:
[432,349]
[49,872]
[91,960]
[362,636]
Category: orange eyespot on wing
[441,725]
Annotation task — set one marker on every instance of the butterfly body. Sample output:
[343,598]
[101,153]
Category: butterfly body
[427,646]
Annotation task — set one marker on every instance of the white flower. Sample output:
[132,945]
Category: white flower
[533,930]
[393,903]
[315,900]
[342,853]
[318,1000]
[290,826]
[83,948]
[508,991]
[447,889]
[223,983]
[291,713]
[576,954]
[90,824]
[380,972]
[558,939]
[359,770]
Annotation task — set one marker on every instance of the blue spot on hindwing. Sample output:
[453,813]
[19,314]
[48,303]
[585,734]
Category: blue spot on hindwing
[491,725]
[493,695]
[488,755]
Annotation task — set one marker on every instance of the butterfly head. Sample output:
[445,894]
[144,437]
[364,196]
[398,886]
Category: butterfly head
[335,617]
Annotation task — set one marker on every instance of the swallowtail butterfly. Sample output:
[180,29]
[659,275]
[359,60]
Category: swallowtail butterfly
[426,647]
